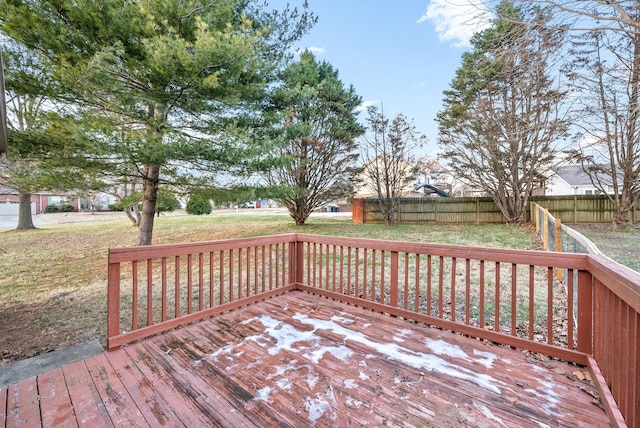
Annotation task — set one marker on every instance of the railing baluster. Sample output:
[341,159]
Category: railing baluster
[255,269]
[277,258]
[383,255]
[406,281]
[263,269]
[570,303]
[496,317]
[417,290]
[349,271]
[200,281]
[373,275]
[248,271]
[149,292]
[364,275]
[239,273]
[429,281]
[327,279]
[453,289]
[134,297]
[481,321]
[270,267]
[441,288]
[341,269]
[189,284]
[164,289]
[467,292]
[549,305]
[176,290]
[514,303]
[221,275]
[231,299]
[212,294]
[532,314]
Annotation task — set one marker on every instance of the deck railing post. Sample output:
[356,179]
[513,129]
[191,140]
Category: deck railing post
[296,262]
[393,291]
[585,312]
[113,302]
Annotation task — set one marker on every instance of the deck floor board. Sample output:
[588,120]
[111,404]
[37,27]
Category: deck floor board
[301,360]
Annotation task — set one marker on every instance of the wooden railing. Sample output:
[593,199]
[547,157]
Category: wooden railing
[510,297]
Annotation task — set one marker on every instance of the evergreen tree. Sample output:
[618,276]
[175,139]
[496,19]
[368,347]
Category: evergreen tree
[317,132]
[174,76]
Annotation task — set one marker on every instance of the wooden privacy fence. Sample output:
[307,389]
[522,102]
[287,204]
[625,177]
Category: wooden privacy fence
[572,208]
[510,297]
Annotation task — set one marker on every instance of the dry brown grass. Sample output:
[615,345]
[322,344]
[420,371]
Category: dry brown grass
[53,281]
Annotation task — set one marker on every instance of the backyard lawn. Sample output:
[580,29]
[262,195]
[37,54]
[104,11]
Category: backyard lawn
[53,287]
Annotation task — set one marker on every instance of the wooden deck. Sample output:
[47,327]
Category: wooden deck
[301,360]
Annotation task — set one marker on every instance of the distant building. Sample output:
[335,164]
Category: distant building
[571,180]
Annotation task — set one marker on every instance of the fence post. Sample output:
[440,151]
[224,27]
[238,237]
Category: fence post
[477,211]
[575,209]
[537,219]
[558,234]
[531,208]
[545,240]
[357,210]
[113,302]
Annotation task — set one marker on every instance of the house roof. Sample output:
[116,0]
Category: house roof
[574,175]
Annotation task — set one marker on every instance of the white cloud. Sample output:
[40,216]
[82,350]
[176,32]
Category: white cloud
[457,20]
[315,49]
[366,104]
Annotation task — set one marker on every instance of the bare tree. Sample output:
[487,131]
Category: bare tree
[389,165]
[501,119]
[606,75]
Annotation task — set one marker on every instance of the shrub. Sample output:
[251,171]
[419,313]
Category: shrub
[198,205]
[51,209]
[67,208]
[116,207]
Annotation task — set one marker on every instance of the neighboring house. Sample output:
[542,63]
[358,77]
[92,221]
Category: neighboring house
[570,180]
[9,201]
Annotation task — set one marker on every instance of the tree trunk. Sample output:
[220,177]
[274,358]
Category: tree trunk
[25,219]
[149,195]
[135,220]
[623,206]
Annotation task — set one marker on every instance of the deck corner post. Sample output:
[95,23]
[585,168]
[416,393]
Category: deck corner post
[113,302]
[585,312]
[296,262]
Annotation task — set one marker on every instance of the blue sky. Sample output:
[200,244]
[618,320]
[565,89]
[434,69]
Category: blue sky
[401,53]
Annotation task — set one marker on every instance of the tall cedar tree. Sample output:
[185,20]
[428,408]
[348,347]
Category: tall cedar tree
[501,119]
[172,73]
[318,137]
[389,166]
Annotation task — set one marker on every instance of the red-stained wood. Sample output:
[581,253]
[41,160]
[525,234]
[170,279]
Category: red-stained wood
[23,409]
[347,366]
[616,418]
[603,324]
[504,339]
[3,406]
[117,400]
[55,405]
[87,404]
[149,401]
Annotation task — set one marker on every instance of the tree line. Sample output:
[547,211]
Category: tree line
[548,82]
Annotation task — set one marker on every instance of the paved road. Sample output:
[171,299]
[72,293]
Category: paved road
[11,221]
